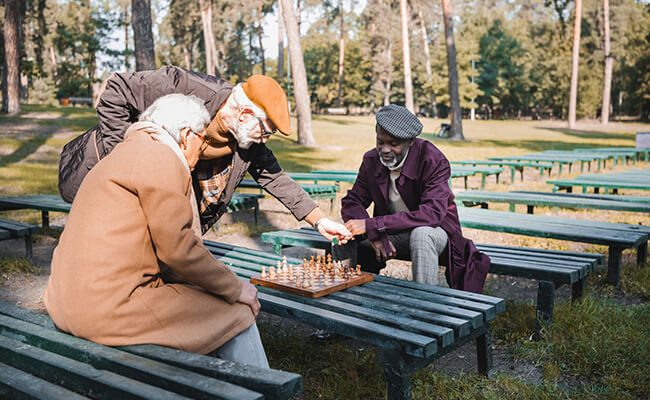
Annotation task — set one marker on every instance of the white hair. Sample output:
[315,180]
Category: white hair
[243,101]
[174,112]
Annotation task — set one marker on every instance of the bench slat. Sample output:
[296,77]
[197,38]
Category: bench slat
[16,384]
[76,376]
[102,357]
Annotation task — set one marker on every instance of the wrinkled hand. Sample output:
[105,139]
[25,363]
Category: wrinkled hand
[381,252]
[356,226]
[249,296]
[330,229]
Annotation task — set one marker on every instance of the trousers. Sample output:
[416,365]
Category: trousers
[422,245]
[245,348]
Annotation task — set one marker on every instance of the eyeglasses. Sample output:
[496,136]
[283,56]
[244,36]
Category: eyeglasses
[203,139]
[263,128]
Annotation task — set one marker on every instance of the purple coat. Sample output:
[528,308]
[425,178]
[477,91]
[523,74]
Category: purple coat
[424,187]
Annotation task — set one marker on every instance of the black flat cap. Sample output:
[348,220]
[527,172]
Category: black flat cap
[399,122]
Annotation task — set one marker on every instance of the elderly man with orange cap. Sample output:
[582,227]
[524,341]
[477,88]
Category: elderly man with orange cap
[242,119]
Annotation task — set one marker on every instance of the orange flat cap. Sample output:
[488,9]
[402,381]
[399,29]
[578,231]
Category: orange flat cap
[267,94]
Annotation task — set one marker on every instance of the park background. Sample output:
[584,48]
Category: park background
[513,67]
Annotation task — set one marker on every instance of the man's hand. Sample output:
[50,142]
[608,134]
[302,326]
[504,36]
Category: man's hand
[381,252]
[249,296]
[356,226]
[330,229]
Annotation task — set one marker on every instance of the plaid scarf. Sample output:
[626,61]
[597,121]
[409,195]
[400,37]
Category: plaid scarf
[212,179]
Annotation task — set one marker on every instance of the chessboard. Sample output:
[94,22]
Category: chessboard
[314,278]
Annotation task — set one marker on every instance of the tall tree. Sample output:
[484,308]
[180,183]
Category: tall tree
[303,107]
[575,59]
[11,30]
[280,43]
[455,115]
[211,58]
[145,58]
[427,59]
[260,17]
[341,52]
[408,80]
[609,64]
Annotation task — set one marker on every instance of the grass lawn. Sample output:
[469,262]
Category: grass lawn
[596,348]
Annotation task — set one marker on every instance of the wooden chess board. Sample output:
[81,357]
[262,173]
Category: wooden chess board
[314,278]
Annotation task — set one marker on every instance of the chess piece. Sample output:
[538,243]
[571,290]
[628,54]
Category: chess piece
[263,272]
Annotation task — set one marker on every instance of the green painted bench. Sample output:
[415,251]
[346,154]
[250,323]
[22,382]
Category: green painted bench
[639,151]
[315,191]
[14,230]
[600,156]
[513,165]
[543,199]
[551,269]
[38,361]
[558,159]
[412,324]
[350,176]
[47,203]
[616,236]
[578,196]
[607,182]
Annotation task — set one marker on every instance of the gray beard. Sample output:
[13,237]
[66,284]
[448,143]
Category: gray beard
[241,134]
[393,164]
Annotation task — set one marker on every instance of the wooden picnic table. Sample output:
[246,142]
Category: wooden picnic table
[412,324]
[559,159]
[542,199]
[350,176]
[616,236]
[513,165]
[639,181]
[47,203]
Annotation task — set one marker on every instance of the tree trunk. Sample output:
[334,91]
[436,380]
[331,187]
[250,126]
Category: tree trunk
[40,35]
[259,37]
[609,63]
[573,97]
[211,58]
[280,42]
[373,73]
[389,78]
[455,116]
[427,59]
[408,82]
[127,62]
[341,53]
[145,58]
[301,94]
[11,92]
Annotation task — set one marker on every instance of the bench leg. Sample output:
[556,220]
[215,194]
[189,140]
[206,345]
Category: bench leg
[642,254]
[46,219]
[614,262]
[577,289]
[484,351]
[530,209]
[398,376]
[545,303]
[28,247]
[277,249]
[256,212]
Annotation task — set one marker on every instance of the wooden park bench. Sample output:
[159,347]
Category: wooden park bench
[38,361]
[513,165]
[315,191]
[543,199]
[616,237]
[551,269]
[412,324]
[559,159]
[601,156]
[80,100]
[15,230]
[607,182]
[47,203]
[639,151]
[351,176]
[578,196]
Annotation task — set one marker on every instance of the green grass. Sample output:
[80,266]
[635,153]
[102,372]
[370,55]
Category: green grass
[15,265]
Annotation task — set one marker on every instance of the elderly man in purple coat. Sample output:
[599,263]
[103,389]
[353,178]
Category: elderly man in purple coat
[414,212]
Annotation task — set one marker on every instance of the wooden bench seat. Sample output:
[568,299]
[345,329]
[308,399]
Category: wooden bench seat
[578,196]
[607,182]
[616,236]
[14,230]
[315,191]
[550,268]
[412,324]
[513,165]
[559,159]
[543,199]
[39,361]
[47,203]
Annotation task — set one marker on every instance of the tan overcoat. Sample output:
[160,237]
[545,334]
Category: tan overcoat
[131,219]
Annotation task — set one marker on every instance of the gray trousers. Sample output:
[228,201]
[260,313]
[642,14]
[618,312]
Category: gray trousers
[421,245]
[245,348]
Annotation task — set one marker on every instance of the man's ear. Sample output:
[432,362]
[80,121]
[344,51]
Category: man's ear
[185,132]
[243,113]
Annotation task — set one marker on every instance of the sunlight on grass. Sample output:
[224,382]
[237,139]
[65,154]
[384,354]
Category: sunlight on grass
[15,265]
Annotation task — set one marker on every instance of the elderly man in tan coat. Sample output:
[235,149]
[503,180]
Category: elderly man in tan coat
[134,224]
